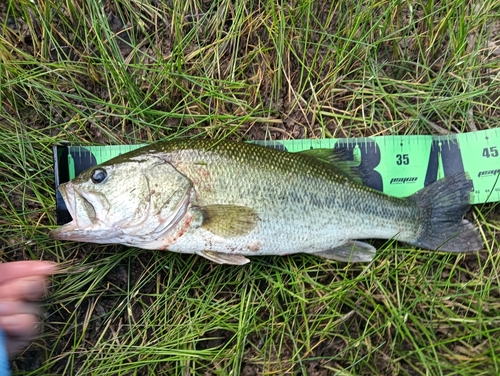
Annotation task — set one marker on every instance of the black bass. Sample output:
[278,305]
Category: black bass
[226,200]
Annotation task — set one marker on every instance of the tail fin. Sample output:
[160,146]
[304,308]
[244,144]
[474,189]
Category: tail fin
[442,206]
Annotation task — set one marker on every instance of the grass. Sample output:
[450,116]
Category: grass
[133,71]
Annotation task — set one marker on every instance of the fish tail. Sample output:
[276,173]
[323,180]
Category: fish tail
[442,206]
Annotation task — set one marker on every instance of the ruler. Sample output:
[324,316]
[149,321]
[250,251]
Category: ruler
[396,165]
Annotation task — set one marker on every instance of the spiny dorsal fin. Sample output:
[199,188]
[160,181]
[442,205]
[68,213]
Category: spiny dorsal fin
[228,220]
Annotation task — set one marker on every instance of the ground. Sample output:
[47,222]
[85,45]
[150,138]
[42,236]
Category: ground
[118,72]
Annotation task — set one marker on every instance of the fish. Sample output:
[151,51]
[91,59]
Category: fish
[227,201]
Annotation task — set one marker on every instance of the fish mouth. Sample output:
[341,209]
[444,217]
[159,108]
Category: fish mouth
[85,226]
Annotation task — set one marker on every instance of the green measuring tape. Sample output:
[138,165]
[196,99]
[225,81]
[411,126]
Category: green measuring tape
[396,165]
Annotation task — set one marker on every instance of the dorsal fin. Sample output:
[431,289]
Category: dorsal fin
[340,161]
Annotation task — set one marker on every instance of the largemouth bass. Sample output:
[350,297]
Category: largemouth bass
[226,200]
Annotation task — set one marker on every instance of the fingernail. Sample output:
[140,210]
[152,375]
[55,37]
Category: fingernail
[46,267]
[33,290]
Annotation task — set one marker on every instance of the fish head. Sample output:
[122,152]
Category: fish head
[131,202]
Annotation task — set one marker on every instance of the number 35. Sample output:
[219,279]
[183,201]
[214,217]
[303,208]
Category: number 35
[402,159]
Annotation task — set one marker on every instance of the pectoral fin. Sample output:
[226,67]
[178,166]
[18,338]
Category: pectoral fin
[224,258]
[352,251]
[228,220]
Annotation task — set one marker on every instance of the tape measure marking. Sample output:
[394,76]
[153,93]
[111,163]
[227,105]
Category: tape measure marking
[397,165]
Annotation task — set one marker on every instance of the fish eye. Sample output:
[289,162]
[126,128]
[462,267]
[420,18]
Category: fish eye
[98,175]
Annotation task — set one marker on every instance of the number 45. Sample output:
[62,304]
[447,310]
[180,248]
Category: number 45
[490,152]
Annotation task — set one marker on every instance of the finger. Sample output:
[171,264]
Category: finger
[22,326]
[16,307]
[21,269]
[30,288]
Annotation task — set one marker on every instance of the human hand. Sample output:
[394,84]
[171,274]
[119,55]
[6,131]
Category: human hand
[22,284]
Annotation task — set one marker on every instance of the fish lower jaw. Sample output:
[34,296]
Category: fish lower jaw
[92,234]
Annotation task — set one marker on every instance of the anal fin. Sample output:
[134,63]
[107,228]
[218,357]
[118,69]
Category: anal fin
[352,251]
[224,258]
